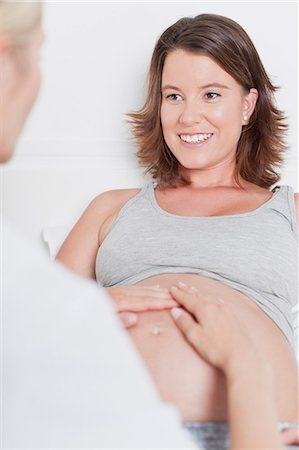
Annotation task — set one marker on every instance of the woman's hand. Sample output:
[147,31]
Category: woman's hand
[129,300]
[210,327]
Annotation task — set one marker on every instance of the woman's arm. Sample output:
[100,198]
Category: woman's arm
[79,250]
[252,409]
[216,334]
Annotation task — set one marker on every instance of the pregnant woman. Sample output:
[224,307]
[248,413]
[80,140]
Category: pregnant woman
[211,137]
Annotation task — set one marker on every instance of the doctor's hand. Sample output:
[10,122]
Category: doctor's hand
[211,328]
[129,300]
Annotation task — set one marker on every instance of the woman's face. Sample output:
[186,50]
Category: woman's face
[202,110]
[21,78]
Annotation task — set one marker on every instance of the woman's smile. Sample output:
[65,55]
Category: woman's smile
[195,138]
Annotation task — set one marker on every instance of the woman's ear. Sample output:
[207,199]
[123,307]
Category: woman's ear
[249,105]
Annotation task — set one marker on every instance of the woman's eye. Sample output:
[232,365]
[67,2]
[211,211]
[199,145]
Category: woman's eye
[174,97]
[211,95]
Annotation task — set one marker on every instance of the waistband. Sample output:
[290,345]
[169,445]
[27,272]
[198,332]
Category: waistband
[216,435]
[224,425]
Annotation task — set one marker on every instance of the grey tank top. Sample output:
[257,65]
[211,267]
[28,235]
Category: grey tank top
[254,252]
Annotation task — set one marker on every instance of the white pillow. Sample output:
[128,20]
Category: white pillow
[54,236]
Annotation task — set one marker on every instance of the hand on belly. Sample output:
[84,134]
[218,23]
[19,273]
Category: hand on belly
[184,378]
[128,300]
[181,375]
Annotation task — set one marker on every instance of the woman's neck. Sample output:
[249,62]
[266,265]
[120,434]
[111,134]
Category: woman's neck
[221,175]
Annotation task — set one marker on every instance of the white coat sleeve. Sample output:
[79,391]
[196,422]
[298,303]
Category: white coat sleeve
[70,376]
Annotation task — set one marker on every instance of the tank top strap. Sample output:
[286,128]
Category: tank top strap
[283,201]
[292,207]
[126,207]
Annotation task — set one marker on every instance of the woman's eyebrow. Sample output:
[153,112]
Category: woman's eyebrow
[219,85]
[206,86]
[169,86]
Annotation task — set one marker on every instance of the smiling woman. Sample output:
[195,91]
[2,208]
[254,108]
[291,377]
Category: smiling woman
[260,124]
[204,117]
[211,137]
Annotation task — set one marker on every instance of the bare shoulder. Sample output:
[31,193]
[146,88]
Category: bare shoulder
[107,206]
[110,201]
[78,252]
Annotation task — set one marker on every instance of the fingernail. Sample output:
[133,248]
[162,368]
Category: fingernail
[181,284]
[176,312]
[130,319]
[174,288]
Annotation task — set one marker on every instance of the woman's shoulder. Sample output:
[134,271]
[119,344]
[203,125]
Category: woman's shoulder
[109,204]
[111,200]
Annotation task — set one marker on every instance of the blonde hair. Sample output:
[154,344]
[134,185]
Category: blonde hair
[18,19]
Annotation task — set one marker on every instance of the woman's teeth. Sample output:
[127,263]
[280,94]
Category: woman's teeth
[195,137]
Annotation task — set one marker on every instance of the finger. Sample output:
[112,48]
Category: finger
[159,294]
[154,287]
[149,293]
[190,301]
[146,304]
[128,320]
[193,290]
[186,288]
[188,326]
[153,305]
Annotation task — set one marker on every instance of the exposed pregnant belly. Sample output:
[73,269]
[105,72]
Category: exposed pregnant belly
[185,379]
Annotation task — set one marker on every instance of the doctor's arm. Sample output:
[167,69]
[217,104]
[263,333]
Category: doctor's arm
[252,410]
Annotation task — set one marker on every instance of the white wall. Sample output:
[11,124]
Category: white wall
[95,59]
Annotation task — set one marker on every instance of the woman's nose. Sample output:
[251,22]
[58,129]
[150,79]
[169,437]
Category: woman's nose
[192,113]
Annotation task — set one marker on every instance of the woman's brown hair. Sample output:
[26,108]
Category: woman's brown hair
[261,144]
